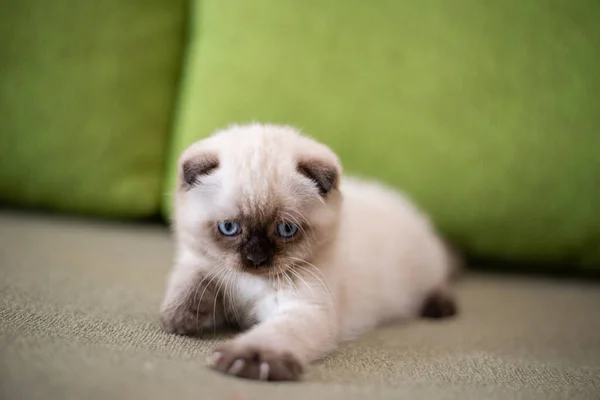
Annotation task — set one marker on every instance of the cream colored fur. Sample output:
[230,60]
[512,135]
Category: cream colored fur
[372,257]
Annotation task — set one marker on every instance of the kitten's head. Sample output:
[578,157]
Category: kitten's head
[257,198]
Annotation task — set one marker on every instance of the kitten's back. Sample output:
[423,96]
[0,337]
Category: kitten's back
[388,254]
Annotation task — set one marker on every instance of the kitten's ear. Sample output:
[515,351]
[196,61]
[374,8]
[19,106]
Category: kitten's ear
[194,167]
[323,174]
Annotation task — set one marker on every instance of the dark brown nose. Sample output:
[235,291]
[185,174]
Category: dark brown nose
[258,258]
[258,250]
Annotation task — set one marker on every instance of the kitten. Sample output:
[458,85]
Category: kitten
[269,236]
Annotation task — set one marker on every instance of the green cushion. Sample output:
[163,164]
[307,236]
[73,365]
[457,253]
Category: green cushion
[486,112]
[86,95]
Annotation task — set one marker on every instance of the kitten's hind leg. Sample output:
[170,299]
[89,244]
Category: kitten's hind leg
[439,304]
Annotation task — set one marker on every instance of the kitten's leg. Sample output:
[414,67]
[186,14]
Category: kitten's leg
[279,347]
[439,304]
[190,304]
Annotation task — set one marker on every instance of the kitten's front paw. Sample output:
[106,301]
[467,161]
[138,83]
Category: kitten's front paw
[255,362]
[183,321]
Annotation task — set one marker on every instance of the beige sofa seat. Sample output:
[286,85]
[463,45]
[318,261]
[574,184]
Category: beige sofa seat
[78,320]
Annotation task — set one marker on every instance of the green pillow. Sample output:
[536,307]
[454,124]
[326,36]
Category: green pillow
[86,95]
[487,113]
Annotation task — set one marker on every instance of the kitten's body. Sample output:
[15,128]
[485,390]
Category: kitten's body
[363,256]
[388,259]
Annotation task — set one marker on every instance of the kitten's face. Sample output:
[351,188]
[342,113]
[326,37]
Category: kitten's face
[258,199]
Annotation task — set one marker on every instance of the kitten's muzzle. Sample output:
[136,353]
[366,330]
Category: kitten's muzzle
[257,259]
[258,251]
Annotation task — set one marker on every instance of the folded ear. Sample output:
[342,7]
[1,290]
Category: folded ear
[197,166]
[322,173]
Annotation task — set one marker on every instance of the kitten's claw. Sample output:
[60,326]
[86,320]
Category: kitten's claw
[255,362]
[236,367]
[213,359]
[264,371]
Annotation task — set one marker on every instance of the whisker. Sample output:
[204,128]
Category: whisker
[290,282]
[296,215]
[222,281]
[183,299]
[297,275]
[232,299]
[295,221]
[321,281]
[217,272]
[279,288]
[227,280]
[308,263]
[198,286]
[325,287]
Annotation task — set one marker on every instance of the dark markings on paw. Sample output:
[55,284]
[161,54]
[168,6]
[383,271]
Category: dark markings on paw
[192,312]
[182,322]
[255,363]
[439,305]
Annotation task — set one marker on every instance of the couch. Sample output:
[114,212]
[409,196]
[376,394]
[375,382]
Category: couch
[79,320]
[484,112]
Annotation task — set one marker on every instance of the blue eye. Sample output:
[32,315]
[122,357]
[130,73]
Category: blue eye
[229,228]
[286,230]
